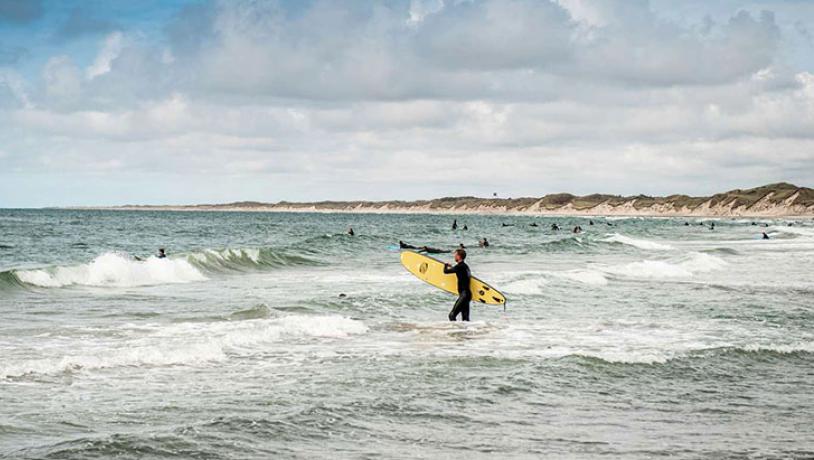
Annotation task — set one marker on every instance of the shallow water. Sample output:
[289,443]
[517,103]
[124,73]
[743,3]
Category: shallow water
[643,339]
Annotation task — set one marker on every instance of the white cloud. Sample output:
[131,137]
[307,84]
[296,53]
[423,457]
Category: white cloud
[110,50]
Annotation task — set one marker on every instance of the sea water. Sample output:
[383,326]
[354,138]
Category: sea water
[277,335]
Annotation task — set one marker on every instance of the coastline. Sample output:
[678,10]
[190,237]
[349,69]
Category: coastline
[770,201]
[774,213]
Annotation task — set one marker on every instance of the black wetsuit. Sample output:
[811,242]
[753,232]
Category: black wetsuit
[461,271]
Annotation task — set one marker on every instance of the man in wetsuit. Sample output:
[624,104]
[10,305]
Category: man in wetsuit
[461,270]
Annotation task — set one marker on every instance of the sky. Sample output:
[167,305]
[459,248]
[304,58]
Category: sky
[188,101]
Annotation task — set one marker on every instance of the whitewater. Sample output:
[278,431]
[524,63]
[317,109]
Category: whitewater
[278,335]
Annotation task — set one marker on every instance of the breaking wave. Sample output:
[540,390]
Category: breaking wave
[638,243]
[114,269]
[190,344]
[661,269]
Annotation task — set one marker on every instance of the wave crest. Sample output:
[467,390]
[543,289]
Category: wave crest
[114,269]
[638,243]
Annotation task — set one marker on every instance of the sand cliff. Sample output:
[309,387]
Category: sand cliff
[775,200]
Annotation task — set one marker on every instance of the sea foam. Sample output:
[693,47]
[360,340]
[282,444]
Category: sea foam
[114,269]
[662,269]
[189,344]
[639,243]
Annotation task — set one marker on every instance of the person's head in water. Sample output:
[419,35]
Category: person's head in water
[459,255]
[161,253]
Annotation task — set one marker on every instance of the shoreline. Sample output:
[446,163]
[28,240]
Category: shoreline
[780,200]
[439,212]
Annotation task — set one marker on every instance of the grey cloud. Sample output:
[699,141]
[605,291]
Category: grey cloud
[465,49]
[82,22]
[20,11]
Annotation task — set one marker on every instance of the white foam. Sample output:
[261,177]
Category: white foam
[700,262]
[524,286]
[661,269]
[592,277]
[113,269]
[807,347]
[639,243]
[651,269]
[189,344]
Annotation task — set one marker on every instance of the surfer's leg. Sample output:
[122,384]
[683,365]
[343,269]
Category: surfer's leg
[465,301]
[457,308]
[465,311]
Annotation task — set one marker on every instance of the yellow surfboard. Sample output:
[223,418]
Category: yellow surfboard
[431,271]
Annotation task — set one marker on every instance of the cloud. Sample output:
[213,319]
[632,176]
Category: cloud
[110,50]
[577,95]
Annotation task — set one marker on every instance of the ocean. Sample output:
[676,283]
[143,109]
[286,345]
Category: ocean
[273,335]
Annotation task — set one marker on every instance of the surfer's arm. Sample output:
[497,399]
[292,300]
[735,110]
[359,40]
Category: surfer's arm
[449,269]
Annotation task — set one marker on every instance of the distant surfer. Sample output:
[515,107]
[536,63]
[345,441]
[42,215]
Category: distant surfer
[461,246]
[350,231]
[431,250]
[590,222]
[483,243]
[466,227]
[765,236]
[555,227]
[161,254]
[403,245]
[461,271]
[504,224]
[455,224]
[577,229]
[533,224]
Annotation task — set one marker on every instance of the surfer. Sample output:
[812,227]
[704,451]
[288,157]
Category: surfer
[466,227]
[765,236]
[455,224]
[403,245]
[577,229]
[555,227]
[461,270]
[350,231]
[161,254]
[431,250]
[483,243]
[461,246]
[533,224]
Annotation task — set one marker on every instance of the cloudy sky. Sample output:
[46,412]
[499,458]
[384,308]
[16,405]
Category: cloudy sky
[186,101]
